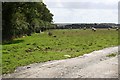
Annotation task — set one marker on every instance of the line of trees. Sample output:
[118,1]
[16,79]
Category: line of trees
[24,18]
[85,25]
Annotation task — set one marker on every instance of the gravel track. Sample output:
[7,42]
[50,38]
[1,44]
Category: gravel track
[92,65]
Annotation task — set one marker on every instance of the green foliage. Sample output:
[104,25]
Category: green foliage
[67,44]
[20,18]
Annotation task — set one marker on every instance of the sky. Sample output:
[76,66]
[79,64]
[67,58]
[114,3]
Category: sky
[83,11]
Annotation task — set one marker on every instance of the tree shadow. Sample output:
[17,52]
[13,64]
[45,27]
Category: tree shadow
[12,42]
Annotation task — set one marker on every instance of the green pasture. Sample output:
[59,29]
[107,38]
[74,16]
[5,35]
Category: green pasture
[42,47]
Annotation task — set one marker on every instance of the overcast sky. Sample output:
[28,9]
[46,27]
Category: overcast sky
[83,11]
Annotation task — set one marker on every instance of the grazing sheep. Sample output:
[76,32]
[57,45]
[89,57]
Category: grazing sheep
[84,28]
[109,28]
[23,36]
[40,31]
[93,29]
[117,29]
[49,33]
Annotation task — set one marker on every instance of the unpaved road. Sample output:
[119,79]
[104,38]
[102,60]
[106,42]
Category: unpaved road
[93,65]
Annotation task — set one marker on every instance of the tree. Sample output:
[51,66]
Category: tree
[20,18]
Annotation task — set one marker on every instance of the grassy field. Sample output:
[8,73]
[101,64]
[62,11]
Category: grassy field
[61,45]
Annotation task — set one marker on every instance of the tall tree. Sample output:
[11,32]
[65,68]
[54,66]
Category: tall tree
[21,18]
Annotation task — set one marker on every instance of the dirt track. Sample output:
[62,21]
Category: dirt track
[93,65]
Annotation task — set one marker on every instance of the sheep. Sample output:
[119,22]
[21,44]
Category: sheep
[49,33]
[84,28]
[117,29]
[93,29]
[109,28]
[23,36]
[40,31]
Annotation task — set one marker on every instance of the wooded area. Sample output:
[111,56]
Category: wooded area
[24,18]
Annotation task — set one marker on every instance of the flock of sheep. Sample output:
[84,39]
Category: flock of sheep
[94,29]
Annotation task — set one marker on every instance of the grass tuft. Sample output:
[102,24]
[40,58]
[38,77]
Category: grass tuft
[112,55]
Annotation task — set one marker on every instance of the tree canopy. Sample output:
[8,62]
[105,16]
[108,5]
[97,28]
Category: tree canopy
[21,18]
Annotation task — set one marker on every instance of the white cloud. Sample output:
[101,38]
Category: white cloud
[83,5]
[81,1]
[84,11]
[85,16]
[58,3]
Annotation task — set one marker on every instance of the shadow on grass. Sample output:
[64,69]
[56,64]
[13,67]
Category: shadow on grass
[12,42]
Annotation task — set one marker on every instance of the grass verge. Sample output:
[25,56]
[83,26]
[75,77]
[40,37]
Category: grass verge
[41,47]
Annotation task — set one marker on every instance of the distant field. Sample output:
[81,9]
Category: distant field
[61,45]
